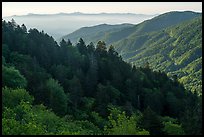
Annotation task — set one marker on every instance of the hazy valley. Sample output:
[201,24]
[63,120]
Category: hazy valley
[61,24]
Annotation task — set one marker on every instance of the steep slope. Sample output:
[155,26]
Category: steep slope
[176,50]
[94,33]
[157,23]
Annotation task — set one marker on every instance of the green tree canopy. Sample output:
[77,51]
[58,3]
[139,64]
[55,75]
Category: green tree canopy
[120,124]
[11,77]
[57,97]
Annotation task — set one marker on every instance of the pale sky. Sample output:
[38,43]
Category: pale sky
[23,8]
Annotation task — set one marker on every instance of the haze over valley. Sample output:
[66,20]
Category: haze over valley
[58,25]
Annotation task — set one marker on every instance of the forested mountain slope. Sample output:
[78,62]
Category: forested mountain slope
[88,90]
[170,42]
[176,50]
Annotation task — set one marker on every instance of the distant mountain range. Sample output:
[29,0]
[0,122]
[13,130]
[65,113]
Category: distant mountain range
[60,24]
[171,42]
[81,13]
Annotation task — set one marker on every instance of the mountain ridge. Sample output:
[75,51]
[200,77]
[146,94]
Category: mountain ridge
[147,25]
[94,30]
[81,13]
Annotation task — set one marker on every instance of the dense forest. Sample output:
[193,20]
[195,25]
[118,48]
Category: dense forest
[87,89]
[165,41]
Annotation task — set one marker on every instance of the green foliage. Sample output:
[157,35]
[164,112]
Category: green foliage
[154,99]
[75,91]
[5,51]
[57,97]
[120,124]
[11,77]
[89,128]
[19,120]
[11,97]
[90,80]
[25,119]
[172,126]
[97,119]
[172,103]
[151,122]
[81,46]
[52,124]
[192,117]
[174,50]
[173,129]
[104,96]
[92,74]
[88,103]
[13,127]
[64,75]
[35,75]
[41,118]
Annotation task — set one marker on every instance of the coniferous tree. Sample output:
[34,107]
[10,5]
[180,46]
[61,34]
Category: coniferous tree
[92,75]
[101,49]
[81,46]
[76,92]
